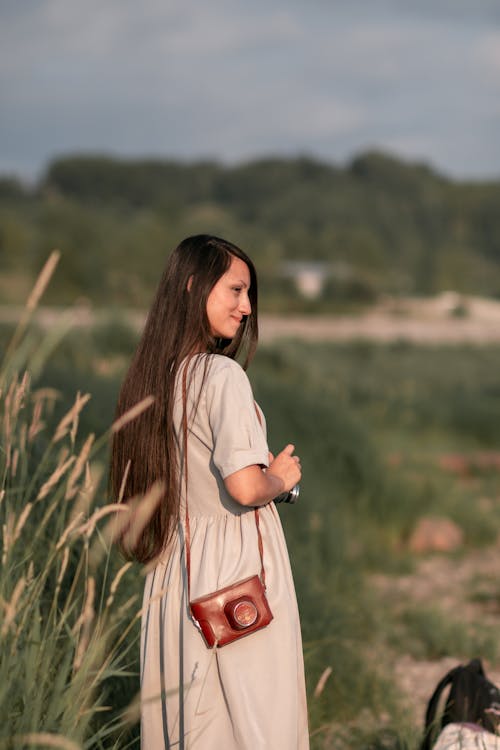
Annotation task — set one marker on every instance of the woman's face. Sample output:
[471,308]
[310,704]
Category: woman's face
[228,300]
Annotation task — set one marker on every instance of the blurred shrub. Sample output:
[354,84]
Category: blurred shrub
[401,226]
[431,633]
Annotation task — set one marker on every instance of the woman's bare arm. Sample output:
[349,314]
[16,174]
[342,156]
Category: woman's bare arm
[255,486]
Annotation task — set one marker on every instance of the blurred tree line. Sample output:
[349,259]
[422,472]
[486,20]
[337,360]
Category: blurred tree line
[379,225]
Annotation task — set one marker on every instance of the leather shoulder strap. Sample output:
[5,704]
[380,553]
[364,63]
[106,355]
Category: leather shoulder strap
[186,522]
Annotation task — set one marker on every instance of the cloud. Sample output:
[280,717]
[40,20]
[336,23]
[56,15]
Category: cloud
[487,53]
[234,79]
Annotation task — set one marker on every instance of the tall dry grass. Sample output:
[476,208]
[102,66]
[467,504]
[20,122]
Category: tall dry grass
[65,616]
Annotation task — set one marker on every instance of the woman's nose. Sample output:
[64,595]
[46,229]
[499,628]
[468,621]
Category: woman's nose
[245,306]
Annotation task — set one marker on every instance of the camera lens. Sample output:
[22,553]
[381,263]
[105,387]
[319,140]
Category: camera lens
[289,497]
[241,613]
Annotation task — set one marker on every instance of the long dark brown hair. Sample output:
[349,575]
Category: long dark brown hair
[145,450]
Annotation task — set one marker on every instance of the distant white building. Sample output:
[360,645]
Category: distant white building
[309,276]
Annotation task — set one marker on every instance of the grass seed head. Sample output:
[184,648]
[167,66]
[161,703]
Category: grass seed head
[21,521]
[36,424]
[115,583]
[70,418]
[11,607]
[77,469]
[132,413]
[54,478]
[84,624]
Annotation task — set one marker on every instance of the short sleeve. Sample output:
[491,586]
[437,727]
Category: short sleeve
[238,436]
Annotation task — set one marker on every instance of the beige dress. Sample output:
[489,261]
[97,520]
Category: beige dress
[250,694]
[466,737]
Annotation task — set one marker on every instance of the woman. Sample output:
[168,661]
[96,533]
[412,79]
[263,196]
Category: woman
[205,438]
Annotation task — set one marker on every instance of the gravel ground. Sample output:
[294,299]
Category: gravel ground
[448,584]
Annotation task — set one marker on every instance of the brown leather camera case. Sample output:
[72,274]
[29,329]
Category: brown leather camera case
[232,612]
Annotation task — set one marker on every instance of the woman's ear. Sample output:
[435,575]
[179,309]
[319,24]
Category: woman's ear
[190,283]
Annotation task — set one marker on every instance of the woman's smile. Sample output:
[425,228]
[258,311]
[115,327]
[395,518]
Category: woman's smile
[228,301]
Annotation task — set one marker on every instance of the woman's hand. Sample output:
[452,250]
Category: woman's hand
[255,486]
[286,467]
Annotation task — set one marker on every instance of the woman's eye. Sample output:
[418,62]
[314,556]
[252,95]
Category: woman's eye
[237,289]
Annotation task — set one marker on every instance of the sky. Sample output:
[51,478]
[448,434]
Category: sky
[235,80]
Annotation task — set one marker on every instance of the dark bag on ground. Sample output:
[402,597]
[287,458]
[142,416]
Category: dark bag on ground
[471,695]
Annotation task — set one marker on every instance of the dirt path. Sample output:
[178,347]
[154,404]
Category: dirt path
[382,327]
[447,318]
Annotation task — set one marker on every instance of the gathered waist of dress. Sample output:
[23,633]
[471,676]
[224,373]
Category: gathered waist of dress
[223,513]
